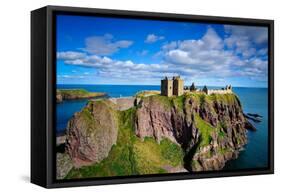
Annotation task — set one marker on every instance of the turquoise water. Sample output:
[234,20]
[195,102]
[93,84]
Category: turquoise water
[254,100]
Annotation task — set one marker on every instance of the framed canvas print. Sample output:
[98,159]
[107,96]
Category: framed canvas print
[125,96]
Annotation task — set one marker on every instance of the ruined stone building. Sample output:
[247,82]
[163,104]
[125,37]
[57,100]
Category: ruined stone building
[166,87]
[178,85]
[170,87]
[226,90]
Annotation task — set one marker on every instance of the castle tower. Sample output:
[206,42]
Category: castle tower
[166,87]
[178,85]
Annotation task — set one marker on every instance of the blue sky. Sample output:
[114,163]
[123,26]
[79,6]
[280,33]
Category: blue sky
[98,50]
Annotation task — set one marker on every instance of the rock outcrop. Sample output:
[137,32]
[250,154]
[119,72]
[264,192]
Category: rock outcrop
[210,128]
[157,117]
[64,165]
[91,133]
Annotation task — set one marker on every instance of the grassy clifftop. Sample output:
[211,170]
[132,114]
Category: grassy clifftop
[72,94]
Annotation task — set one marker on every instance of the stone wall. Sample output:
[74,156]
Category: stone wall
[178,85]
[209,92]
[166,87]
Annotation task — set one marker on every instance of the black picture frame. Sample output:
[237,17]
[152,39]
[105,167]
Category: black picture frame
[43,88]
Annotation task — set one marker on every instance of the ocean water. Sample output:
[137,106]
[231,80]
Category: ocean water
[67,108]
[255,153]
[254,100]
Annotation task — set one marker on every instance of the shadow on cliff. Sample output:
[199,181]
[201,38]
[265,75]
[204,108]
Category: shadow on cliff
[189,155]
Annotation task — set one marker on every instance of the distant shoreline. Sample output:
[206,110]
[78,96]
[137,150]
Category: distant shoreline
[76,94]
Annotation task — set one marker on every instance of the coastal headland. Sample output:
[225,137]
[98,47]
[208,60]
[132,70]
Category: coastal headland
[151,133]
[75,94]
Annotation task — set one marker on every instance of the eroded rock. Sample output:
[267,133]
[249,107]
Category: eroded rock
[91,133]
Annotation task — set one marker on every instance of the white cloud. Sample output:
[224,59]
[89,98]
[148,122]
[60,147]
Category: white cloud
[170,46]
[211,40]
[151,38]
[258,35]
[245,39]
[70,55]
[105,45]
[207,57]
[181,57]
[112,67]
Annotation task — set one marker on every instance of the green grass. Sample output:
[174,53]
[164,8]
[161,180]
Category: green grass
[171,152]
[163,100]
[146,93]
[224,150]
[72,91]
[178,102]
[195,164]
[131,155]
[79,93]
[205,130]
[86,115]
[221,134]
[224,98]
[168,102]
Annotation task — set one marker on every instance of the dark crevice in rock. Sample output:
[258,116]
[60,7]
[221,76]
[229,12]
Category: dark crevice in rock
[189,155]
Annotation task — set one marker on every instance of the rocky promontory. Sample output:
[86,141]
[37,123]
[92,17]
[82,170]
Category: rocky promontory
[158,134]
[210,128]
[91,133]
[74,94]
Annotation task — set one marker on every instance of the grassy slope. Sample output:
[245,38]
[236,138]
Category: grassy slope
[146,93]
[131,156]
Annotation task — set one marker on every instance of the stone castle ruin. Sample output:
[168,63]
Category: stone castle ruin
[226,90]
[175,87]
[172,87]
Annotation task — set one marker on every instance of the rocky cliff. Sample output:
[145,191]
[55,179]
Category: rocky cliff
[210,128]
[193,132]
[91,133]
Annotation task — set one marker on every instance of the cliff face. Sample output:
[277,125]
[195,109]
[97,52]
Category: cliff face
[160,134]
[210,128]
[158,117]
[91,133]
